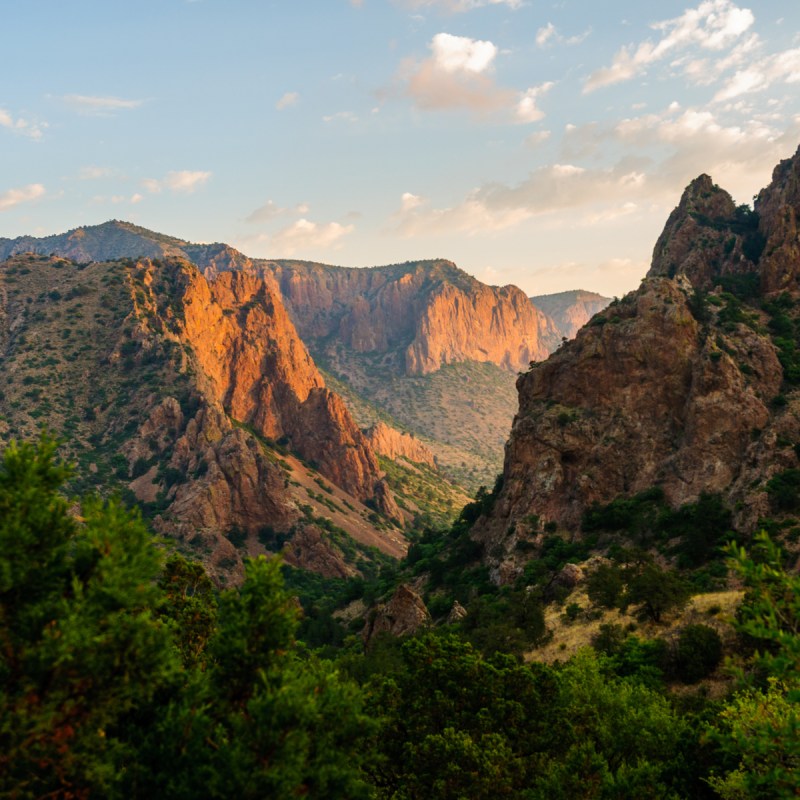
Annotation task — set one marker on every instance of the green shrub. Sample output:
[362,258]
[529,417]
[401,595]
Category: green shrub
[698,653]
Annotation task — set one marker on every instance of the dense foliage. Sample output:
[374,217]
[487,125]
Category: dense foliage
[124,673]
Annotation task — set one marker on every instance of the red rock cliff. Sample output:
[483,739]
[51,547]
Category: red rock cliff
[432,312]
[257,367]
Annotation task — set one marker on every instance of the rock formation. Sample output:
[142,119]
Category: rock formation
[674,385]
[404,614]
[259,370]
[394,444]
[430,311]
[177,389]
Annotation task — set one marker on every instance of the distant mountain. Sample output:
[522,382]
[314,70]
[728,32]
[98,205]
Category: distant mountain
[570,311]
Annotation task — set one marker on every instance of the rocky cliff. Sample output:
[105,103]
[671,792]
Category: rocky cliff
[394,444]
[570,311]
[429,311]
[420,343]
[259,370]
[687,384]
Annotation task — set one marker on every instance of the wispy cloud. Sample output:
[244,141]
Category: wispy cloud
[271,210]
[688,142]
[341,116]
[21,126]
[24,194]
[90,104]
[304,235]
[93,173]
[288,100]
[549,35]
[763,73]
[713,25]
[182,181]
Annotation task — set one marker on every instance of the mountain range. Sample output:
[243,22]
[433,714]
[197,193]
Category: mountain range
[187,376]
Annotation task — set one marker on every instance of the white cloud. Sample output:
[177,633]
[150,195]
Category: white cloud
[549,35]
[89,104]
[136,198]
[527,110]
[713,25]
[25,194]
[341,116]
[462,54]
[762,74]
[304,235]
[183,181]
[457,75]
[408,202]
[23,127]
[545,34]
[287,100]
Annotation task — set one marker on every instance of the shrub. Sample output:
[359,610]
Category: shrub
[698,653]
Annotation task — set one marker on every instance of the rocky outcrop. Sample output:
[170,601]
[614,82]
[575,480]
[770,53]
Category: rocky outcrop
[778,208]
[311,549]
[430,311]
[570,311]
[671,386]
[707,237]
[256,366]
[389,442]
[403,615]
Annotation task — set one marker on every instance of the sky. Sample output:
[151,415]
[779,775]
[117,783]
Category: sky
[531,142]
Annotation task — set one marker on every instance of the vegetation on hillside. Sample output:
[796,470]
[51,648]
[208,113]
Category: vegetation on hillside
[124,673]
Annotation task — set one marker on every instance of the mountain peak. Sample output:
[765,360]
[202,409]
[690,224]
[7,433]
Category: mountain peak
[706,236]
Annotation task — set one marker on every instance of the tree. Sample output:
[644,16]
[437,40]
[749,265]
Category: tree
[119,680]
[656,590]
[758,731]
[697,653]
[81,651]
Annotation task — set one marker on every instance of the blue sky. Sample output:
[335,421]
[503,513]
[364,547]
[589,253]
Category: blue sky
[531,142]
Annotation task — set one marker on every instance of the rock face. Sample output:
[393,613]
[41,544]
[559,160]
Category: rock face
[778,207]
[669,386]
[431,311]
[706,237]
[404,614]
[386,441]
[176,388]
[258,369]
[570,311]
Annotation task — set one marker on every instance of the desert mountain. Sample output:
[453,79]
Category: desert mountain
[570,311]
[421,346]
[197,398]
[688,384]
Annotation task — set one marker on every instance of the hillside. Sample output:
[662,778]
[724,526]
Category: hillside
[196,399]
